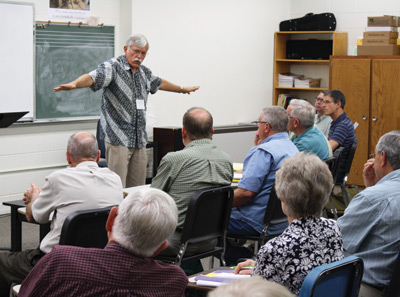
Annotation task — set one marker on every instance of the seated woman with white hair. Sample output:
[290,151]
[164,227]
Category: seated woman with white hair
[303,185]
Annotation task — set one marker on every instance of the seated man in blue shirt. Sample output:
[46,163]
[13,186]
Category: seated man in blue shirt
[371,223]
[341,132]
[307,137]
[272,147]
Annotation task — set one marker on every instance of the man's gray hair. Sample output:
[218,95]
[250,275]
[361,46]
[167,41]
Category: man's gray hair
[146,218]
[82,145]
[304,183]
[303,111]
[277,117]
[138,39]
[253,286]
[390,144]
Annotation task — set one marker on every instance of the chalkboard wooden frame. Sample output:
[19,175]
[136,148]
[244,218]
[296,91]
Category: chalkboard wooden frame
[63,53]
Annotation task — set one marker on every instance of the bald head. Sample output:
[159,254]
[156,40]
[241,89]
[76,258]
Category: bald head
[82,146]
[198,123]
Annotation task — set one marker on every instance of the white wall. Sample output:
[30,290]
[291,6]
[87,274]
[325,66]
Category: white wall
[29,152]
[225,46]
[351,15]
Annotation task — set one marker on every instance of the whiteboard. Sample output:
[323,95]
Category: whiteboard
[17,80]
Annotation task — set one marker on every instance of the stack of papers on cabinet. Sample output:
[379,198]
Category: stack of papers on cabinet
[287,79]
[305,82]
[218,278]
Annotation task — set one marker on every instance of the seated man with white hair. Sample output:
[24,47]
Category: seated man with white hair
[137,231]
[307,137]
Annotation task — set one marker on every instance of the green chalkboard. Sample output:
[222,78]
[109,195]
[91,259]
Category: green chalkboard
[63,53]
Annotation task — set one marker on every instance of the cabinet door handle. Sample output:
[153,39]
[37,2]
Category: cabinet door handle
[364,117]
[374,119]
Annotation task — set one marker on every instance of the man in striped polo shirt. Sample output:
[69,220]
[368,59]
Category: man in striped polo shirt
[341,132]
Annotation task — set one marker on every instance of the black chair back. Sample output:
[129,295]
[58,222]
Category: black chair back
[350,158]
[207,218]
[273,215]
[86,228]
[208,214]
[333,162]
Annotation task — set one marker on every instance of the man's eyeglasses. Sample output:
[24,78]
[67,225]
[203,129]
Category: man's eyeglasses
[138,52]
[261,122]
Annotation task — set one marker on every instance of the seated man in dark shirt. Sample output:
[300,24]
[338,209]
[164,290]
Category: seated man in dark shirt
[137,231]
[341,132]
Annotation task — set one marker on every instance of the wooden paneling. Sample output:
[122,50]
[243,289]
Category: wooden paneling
[352,77]
[371,85]
[385,98]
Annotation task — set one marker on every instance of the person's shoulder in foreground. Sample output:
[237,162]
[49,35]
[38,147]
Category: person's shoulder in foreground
[370,224]
[125,267]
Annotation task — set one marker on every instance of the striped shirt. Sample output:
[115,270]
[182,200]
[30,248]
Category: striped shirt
[323,123]
[371,229]
[122,120]
[342,131]
[200,165]
[112,271]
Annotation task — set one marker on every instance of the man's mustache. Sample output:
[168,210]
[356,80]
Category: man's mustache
[138,60]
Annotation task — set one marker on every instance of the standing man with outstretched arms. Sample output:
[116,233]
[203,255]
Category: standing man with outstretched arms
[126,84]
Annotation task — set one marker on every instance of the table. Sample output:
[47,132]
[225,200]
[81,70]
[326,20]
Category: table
[16,225]
[194,290]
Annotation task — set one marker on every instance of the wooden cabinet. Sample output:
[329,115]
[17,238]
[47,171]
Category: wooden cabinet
[371,86]
[282,65]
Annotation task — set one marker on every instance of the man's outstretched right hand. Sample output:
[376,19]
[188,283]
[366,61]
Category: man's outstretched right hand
[66,87]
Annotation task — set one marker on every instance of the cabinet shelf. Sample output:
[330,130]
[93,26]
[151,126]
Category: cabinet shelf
[319,62]
[283,65]
[301,89]
[305,32]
